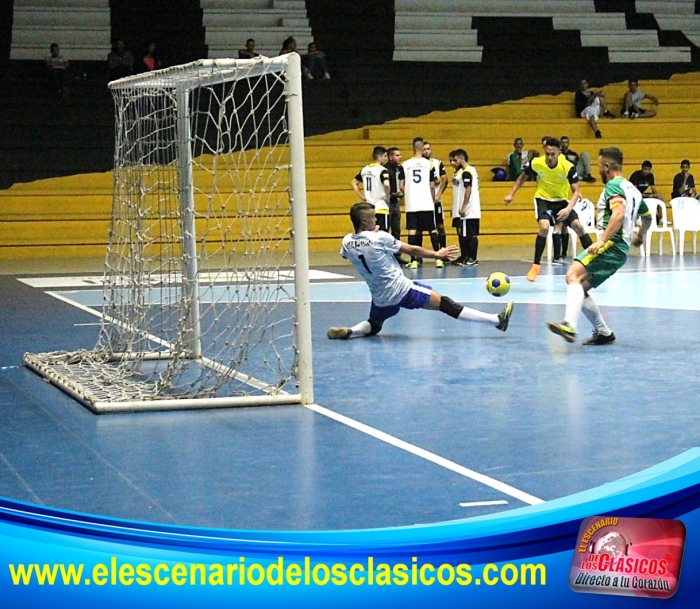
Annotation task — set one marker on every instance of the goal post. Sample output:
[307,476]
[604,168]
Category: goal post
[206,282]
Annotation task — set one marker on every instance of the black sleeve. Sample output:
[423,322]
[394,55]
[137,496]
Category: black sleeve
[467,178]
[401,174]
[358,177]
[572,176]
[384,176]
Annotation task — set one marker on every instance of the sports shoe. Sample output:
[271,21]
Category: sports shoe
[471,262]
[598,134]
[558,262]
[600,339]
[626,114]
[439,263]
[458,261]
[608,114]
[533,272]
[504,316]
[564,330]
[634,115]
[342,333]
[412,265]
[588,178]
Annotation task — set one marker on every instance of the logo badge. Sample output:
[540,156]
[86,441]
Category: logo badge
[628,556]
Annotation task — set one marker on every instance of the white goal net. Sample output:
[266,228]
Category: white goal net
[206,275]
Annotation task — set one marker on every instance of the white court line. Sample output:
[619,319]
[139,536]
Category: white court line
[483,503]
[502,487]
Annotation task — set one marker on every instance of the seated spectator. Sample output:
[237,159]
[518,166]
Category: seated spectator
[582,162]
[632,102]
[249,51]
[119,61]
[150,60]
[684,182]
[518,158]
[590,105]
[643,179]
[315,61]
[57,71]
[290,46]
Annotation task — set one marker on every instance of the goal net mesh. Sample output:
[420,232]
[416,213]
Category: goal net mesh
[199,295]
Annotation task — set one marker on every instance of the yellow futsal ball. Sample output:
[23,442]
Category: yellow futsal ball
[498,284]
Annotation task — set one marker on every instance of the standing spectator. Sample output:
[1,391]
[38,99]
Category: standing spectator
[57,70]
[466,207]
[420,205]
[557,181]
[249,51]
[440,187]
[590,104]
[632,102]
[582,161]
[119,61]
[396,185]
[315,61]
[518,158]
[684,182]
[370,252]
[150,61]
[374,180]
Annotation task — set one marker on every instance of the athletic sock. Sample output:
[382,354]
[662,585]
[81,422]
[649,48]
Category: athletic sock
[435,241]
[473,247]
[540,244]
[586,241]
[556,241]
[463,248]
[564,242]
[443,241]
[574,302]
[592,313]
[469,314]
[361,329]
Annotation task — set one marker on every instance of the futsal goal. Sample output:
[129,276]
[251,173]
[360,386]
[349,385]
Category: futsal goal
[205,299]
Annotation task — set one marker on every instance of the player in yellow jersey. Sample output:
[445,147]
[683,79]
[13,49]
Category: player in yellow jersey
[556,194]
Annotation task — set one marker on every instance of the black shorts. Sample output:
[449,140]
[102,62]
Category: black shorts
[420,221]
[382,221]
[466,228]
[439,214]
[548,210]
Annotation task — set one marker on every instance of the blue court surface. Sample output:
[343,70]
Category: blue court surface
[432,420]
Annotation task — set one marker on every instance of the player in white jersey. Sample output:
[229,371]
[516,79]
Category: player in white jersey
[371,252]
[618,208]
[419,201]
[440,187]
[374,180]
[466,207]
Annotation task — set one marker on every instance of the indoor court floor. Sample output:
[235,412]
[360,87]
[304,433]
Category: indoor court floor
[432,420]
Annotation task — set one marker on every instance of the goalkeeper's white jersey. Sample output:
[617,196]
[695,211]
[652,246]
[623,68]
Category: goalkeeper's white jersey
[372,255]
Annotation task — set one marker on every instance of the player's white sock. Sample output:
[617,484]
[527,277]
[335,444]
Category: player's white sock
[469,314]
[592,313]
[361,329]
[574,302]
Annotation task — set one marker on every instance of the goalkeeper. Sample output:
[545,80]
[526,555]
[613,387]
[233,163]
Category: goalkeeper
[371,252]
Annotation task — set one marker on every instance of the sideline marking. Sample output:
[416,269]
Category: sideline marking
[483,503]
[428,456]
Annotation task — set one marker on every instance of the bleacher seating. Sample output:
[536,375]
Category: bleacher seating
[229,23]
[585,28]
[56,181]
[80,27]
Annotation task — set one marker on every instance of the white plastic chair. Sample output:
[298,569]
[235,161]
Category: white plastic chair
[586,211]
[660,229]
[686,219]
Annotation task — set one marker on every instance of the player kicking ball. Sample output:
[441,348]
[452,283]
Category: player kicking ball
[371,252]
[620,205]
